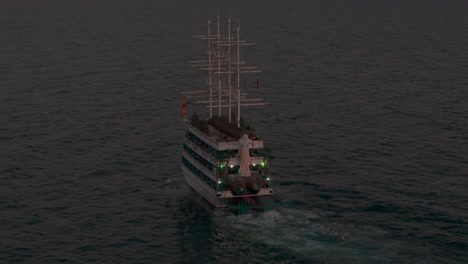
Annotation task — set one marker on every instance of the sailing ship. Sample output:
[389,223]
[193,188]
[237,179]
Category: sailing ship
[223,159]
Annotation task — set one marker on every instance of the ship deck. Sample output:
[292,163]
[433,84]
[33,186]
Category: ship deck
[219,136]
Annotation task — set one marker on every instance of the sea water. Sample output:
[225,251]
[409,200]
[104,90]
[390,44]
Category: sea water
[367,122]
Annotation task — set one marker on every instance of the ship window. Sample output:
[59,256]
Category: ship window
[197,157]
[200,174]
[233,170]
[258,152]
[200,143]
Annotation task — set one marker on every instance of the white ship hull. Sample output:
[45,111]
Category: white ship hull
[201,188]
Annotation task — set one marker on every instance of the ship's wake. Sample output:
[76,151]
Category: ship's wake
[310,236]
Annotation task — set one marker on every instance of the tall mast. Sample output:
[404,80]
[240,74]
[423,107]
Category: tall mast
[219,70]
[238,77]
[229,65]
[210,71]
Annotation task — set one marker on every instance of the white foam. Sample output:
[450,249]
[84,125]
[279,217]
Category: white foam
[309,234]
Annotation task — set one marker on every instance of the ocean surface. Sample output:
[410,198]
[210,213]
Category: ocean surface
[367,122]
